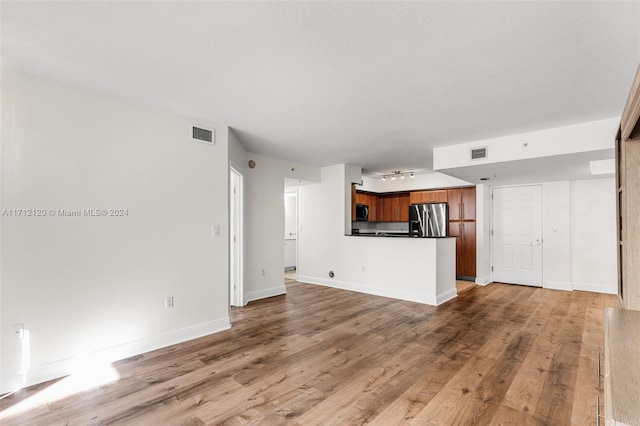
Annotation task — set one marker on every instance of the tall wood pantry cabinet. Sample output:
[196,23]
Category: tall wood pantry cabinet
[462,225]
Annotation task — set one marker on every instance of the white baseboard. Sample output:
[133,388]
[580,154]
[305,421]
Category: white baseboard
[596,288]
[558,285]
[64,367]
[446,296]
[263,294]
[375,291]
[483,280]
[570,286]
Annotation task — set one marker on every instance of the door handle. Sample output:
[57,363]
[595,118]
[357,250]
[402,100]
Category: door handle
[536,243]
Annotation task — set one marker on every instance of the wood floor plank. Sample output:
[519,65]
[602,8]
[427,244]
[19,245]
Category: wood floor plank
[586,389]
[556,396]
[500,354]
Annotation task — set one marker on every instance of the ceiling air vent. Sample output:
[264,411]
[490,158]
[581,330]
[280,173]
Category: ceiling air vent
[479,153]
[201,134]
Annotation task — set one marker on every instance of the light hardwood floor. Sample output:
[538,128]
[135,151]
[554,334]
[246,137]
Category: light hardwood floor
[462,286]
[499,355]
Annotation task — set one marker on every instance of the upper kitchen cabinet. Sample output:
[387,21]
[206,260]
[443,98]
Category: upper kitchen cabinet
[370,200]
[394,208]
[373,201]
[462,203]
[401,204]
[418,197]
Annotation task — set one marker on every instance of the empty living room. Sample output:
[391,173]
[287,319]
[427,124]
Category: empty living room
[455,184]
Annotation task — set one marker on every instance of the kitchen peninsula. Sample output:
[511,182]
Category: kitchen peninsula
[416,269]
[387,215]
[421,270]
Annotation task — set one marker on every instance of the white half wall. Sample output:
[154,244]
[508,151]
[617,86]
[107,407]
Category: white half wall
[83,284]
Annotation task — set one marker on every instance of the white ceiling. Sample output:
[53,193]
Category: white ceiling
[372,84]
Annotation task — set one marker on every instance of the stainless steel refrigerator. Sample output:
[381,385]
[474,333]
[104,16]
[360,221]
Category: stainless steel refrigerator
[429,220]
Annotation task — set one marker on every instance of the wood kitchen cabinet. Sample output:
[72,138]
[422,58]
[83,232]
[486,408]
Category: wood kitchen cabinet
[462,203]
[373,201]
[465,233]
[401,204]
[467,267]
[418,197]
[370,200]
[394,208]
[462,224]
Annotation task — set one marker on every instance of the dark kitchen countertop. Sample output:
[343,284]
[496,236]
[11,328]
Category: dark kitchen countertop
[387,235]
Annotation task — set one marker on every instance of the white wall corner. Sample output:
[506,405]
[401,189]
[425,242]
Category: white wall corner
[64,367]
[264,293]
[483,281]
[558,285]
[446,296]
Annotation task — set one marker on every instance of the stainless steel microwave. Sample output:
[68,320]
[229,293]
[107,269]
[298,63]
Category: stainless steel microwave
[362,212]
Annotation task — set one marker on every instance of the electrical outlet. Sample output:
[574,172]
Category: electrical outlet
[364,268]
[263,272]
[17,330]
[168,302]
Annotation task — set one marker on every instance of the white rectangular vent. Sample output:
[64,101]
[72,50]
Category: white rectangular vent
[478,153]
[203,135]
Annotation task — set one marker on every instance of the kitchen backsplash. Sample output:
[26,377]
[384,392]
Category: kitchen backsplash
[379,227]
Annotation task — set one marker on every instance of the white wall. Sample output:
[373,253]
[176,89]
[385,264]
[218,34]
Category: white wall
[483,234]
[83,284]
[593,235]
[556,228]
[583,137]
[264,217]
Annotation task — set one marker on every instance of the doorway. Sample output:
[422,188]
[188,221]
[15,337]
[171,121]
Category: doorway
[236,292]
[290,233]
[516,240]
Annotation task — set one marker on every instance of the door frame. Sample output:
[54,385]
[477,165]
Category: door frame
[492,188]
[236,225]
[294,194]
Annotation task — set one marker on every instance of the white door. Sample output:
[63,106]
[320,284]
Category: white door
[235,238]
[517,235]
